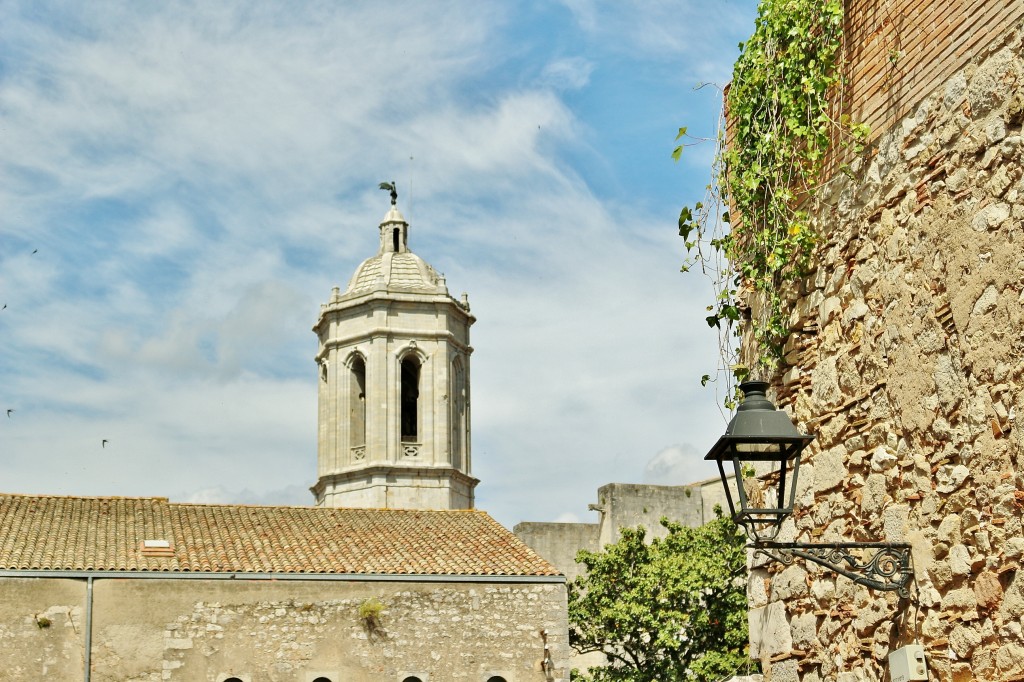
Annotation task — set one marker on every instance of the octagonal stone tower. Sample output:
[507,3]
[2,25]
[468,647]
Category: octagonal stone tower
[394,385]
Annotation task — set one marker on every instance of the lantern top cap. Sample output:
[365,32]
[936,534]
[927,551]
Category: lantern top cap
[758,422]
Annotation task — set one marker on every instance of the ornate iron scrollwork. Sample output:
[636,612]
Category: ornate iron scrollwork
[888,568]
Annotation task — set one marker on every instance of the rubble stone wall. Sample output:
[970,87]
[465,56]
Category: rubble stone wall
[281,631]
[908,365]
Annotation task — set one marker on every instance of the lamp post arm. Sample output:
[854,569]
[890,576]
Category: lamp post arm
[889,567]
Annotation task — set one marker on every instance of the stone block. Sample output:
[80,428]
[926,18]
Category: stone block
[950,477]
[785,671]
[949,530]
[178,643]
[895,520]
[757,591]
[990,217]
[770,633]
[874,495]
[1014,548]
[823,589]
[988,590]
[882,459]
[877,611]
[790,583]
[963,639]
[1010,658]
[804,630]
[961,602]
[960,560]
[1013,599]
[829,469]
[995,129]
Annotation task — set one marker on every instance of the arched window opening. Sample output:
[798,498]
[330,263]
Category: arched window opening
[496,678]
[458,403]
[412,678]
[233,679]
[322,679]
[410,399]
[357,403]
[396,239]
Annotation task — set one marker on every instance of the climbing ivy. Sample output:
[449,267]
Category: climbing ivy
[780,118]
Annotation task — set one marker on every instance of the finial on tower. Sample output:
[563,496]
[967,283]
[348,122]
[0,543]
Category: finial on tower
[393,188]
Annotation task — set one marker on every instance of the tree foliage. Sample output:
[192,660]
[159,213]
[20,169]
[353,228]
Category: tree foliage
[672,609]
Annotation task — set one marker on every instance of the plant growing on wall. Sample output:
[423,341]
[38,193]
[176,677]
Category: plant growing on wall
[370,616]
[674,609]
[780,126]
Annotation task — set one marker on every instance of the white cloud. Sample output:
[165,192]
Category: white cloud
[196,178]
[570,73]
[676,465]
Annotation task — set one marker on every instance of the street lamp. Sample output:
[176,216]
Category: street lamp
[763,448]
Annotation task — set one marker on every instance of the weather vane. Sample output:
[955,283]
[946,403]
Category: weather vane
[391,187]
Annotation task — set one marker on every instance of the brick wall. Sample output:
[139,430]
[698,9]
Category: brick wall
[899,51]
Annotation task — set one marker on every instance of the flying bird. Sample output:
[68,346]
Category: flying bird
[391,187]
[104,443]
[35,251]
[12,409]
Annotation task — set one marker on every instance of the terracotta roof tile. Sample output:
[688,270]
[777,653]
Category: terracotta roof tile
[108,534]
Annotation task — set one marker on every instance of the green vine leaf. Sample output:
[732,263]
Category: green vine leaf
[755,235]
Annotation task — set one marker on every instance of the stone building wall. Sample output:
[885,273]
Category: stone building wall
[907,363]
[622,505]
[559,543]
[281,630]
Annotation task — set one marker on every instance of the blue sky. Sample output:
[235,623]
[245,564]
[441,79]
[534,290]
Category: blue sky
[181,184]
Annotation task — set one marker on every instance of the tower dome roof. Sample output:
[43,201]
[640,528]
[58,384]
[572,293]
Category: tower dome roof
[395,267]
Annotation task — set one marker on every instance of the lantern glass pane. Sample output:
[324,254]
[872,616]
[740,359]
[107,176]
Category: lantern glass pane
[765,494]
[758,447]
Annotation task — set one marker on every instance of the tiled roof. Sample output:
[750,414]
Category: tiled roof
[110,534]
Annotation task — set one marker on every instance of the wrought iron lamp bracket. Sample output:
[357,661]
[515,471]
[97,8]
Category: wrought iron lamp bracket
[888,568]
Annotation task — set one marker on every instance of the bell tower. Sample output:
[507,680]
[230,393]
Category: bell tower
[393,424]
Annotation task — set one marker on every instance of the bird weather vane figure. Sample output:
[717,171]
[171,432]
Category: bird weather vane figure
[393,188]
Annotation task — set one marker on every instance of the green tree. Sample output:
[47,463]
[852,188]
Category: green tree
[672,609]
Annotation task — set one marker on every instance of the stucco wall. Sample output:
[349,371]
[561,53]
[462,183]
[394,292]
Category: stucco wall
[41,629]
[908,365]
[283,631]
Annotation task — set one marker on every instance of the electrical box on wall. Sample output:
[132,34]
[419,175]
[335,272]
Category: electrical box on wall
[907,663]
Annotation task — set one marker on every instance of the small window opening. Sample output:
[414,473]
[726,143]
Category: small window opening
[410,399]
[496,678]
[412,678]
[322,679]
[395,236]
